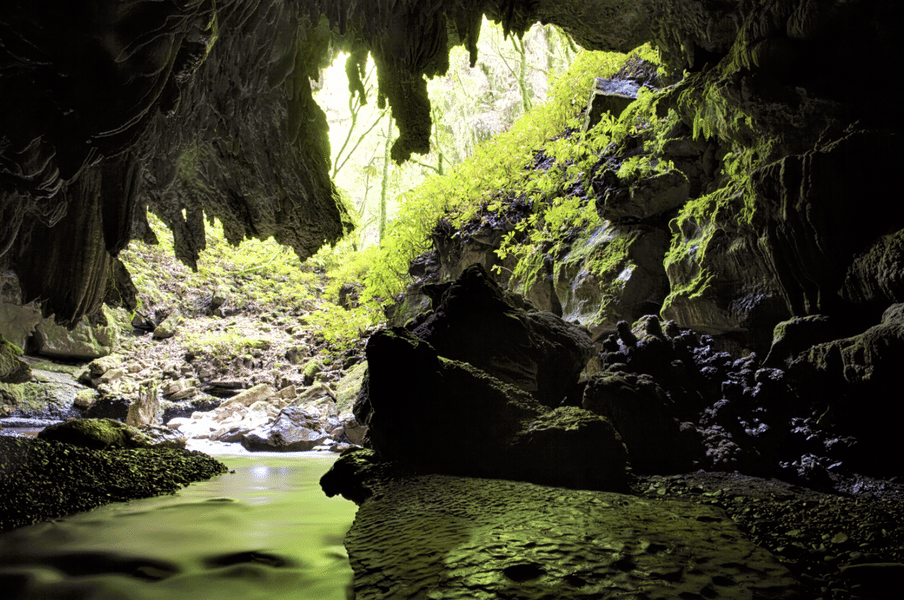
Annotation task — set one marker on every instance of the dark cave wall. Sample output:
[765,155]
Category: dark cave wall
[203,108]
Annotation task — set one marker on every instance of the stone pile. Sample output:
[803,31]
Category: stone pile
[261,418]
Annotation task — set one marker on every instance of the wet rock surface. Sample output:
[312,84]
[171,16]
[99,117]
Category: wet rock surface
[435,536]
[839,546]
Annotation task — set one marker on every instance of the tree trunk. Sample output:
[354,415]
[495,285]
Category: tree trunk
[384,187]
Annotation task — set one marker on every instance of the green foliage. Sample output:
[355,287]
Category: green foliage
[502,169]
[257,273]
[342,329]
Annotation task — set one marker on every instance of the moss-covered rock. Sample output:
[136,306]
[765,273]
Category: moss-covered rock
[42,480]
[96,434]
[12,369]
[349,386]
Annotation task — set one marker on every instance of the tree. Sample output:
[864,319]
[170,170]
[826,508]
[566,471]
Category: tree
[469,106]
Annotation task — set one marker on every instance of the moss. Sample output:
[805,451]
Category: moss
[12,370]
[42,480]
[97,434]
[350,385]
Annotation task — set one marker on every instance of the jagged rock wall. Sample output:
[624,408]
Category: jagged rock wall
[776,203]
[205,108]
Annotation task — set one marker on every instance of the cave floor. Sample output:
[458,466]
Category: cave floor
[843,544]
[699,535]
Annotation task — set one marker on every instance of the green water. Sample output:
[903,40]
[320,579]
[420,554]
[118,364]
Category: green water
[265,531]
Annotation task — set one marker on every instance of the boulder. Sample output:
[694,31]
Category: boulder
[796,335]
[638,409]
[109,407]
[570,447]
[84,342]
[84,399]
[145,409]
[180,389]
[611,96]
[163,437]
[648,197]
[875,277]
[18,322]
[246,398]
[96,434]
[294,430]
[535,351]
[855,383]
[350,385]
[99,366]
[168,327]
[185,408]
[450,417]
[12,369]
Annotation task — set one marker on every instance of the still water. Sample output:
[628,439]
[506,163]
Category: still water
[264,532]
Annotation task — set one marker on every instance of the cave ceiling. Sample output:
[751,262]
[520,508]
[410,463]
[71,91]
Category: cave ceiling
[203,108]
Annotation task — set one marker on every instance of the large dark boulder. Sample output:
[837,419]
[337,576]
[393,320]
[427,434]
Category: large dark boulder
[854,385]
[438,415]
[478,322]
[639,409]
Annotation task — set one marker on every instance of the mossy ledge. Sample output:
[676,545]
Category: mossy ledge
[40,481]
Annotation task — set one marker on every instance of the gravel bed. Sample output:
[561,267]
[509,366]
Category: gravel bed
[840,547]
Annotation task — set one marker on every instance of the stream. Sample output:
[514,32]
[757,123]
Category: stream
[264,531]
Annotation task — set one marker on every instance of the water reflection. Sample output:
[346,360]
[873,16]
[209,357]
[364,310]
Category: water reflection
[263,531]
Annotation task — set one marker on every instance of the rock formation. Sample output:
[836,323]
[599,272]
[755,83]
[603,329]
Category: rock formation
[206,109]
[471,390]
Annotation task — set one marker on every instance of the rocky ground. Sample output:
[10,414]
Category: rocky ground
[839,546]
[838,533]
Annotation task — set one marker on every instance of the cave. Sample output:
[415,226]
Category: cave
[779,264]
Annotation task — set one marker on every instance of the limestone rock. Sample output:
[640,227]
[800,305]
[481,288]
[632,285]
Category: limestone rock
[611,96]
[440,536]
[168,327]
[796,335]
[180,389]
[294,430]
[350,385]
[85,342]
[97,434]
[534,351]
[857,381]
[144,410]
[109,407]
[12,369]
[18,322]
[648,197]
[84,399]
[613,273]
[99,366]
[571,447]
[639,410]
[478,425]
[261,391]
[163,437]
[875,278]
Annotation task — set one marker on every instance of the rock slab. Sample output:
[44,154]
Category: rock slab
[448,537]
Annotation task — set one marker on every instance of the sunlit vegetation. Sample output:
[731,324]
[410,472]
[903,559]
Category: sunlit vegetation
[508,131]
[506,168]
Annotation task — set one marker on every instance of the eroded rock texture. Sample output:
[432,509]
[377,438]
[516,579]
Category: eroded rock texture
[448,537]
[773,199]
